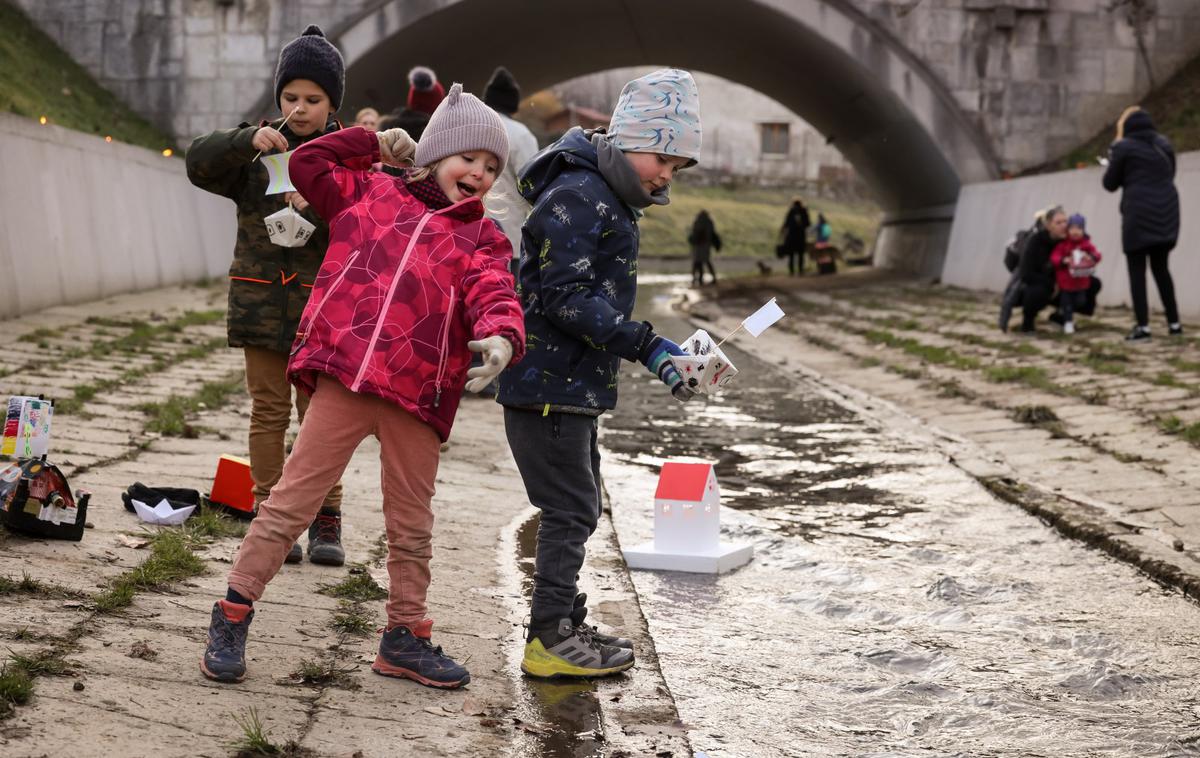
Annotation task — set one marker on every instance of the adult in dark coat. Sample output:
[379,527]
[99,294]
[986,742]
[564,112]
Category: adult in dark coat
[794,237]
[1142,162]
[703,239]
[1035,271]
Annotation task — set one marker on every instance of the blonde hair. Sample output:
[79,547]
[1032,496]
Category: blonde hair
[366,112]
[1124,115]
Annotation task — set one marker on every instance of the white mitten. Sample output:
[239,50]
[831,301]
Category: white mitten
[497,352]
[396,148]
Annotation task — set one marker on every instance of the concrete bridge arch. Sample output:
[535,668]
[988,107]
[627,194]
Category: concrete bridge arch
[824,59]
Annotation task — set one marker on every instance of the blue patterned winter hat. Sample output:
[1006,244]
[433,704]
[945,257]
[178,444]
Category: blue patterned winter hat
[659,113]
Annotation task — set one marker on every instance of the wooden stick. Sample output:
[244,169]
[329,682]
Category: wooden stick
[727,336]
[293,113]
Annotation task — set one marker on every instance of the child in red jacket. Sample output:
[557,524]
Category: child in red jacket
[1074,260]
[415,279]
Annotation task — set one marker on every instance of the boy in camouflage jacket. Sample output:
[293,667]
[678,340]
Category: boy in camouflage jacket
[268,284]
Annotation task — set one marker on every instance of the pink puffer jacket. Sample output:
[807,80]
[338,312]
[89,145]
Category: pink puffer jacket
[402,289]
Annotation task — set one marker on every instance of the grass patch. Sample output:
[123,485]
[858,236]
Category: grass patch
[353,620]
[1032,376]
[1176,426]
[1168,379]
[747,218]
[942,356]
[171,559]
[904,371]
[48,662]
[27,585]
[40,335]
[1040,416]
[1014,348]
[40,79]
[1185,365]
[16,688]
[358,586]
[324,673]
[869,361]
[951,388]
[255,738]
[170,417]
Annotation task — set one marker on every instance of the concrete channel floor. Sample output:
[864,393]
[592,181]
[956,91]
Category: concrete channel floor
[1111,464]
[134,688]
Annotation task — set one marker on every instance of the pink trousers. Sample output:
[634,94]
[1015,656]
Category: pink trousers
[336,422]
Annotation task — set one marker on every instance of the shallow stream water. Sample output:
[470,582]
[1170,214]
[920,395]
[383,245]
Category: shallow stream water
[893,607]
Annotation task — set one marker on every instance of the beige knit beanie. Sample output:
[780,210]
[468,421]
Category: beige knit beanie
[462,124]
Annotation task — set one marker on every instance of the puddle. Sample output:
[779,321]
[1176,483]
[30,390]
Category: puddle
[559,719]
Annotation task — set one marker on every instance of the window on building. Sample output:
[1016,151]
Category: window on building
[774,139]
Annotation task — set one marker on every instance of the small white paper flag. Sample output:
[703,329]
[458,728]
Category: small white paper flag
[277,173]
[758,321]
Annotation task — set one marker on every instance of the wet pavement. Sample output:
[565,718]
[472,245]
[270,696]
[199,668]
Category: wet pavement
[893,606]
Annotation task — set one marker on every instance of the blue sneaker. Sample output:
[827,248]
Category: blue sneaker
[408,653]
[225,657]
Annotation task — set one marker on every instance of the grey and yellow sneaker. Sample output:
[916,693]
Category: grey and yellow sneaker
[567,650]
[579,613]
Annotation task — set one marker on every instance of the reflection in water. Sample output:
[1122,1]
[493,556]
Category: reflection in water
[561,718]
[893,607]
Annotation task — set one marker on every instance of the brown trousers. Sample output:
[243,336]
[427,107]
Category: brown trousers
[339,421]
[270,414]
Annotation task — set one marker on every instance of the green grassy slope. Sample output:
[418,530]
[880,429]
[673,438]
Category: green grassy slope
[40,79]
[746,218]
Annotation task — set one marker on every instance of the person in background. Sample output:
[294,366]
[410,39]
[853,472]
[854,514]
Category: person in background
[823,250]
[269,285]
[425,93]
[367,118]
[505,204]
[703,239]
[1074,261]
[1142,163]
[1035,270]
[793,237]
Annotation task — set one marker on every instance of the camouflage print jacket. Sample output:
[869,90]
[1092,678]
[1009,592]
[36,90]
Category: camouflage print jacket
[269,284]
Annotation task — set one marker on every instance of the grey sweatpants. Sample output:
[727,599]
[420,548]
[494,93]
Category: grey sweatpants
[559,461]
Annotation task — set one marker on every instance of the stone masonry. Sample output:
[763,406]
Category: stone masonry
[1037,76]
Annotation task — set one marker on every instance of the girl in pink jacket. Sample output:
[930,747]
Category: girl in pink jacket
[415,278]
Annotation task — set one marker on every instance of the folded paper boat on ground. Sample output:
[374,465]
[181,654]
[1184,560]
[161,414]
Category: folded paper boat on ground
[687,525]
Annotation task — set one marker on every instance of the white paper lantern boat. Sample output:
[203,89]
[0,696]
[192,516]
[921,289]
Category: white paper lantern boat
[704,368]
[288,228]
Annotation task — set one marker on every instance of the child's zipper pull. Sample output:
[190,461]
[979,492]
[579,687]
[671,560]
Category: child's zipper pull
[437,397]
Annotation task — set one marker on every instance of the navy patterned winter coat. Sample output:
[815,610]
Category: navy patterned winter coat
[577,283]
[1143,163]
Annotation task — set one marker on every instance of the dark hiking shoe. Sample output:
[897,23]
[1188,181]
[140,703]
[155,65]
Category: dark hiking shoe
[579,613]
[571,651]
[295,555]
[408,653]
[225,657]
[1175,330]
[1057,318]
[1138,334]
[325,539]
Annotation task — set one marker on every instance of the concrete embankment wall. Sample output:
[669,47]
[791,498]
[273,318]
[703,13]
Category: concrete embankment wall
[82,219]
[988,214]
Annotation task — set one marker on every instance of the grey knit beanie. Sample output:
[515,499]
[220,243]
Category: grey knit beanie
[659,113]
[462,124]
[311,56]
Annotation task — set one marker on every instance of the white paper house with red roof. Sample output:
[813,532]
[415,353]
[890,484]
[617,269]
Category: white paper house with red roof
[687,525]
